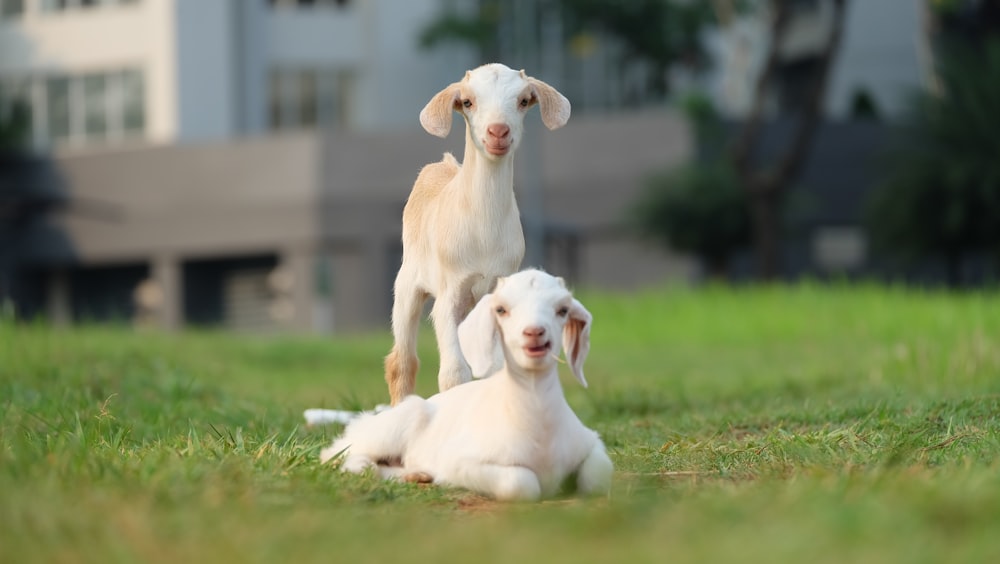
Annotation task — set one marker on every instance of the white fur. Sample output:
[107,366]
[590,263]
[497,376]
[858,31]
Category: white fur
[461,225]
[511,436]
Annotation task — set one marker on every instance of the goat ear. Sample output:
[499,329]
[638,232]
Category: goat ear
[477,336]
[576,339]
[555,108]
[436,115]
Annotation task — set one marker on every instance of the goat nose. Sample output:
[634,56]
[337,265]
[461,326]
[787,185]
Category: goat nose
[498,130]
[534,332]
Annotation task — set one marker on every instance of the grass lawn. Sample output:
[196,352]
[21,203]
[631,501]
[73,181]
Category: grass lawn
[817,424]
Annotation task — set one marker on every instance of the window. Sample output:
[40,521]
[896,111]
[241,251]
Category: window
[60,5]
[133,101]
[98,106]
[307,97]
[95,106]
[309,3]
[54,5]
[15,112]
[57,95]
[13,92]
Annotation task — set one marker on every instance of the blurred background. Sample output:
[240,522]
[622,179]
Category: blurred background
[244,163]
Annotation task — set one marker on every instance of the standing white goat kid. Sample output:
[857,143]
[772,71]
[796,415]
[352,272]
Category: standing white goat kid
[512,435]
[461,226]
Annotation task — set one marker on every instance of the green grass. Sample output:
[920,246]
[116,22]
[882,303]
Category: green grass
[820,424]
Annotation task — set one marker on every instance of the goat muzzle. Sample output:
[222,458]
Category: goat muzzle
[538,349]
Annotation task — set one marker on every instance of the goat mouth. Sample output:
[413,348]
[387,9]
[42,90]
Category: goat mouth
[497,150]
[538,351]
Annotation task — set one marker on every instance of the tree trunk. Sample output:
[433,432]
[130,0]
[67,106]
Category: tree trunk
[766,228]
[716,268]
[765,185]
[953,268]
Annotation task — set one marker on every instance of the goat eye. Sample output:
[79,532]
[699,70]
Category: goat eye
[563,311]
[501,310]
[467,103]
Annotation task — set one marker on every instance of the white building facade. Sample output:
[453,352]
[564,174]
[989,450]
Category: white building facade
[99,72]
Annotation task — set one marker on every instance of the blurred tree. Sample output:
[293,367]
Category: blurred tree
[766,183]
[942,195]
[477,28]
[667,32]
[661,33]
[970,22]
[698,207]
[15,126]
[863,106]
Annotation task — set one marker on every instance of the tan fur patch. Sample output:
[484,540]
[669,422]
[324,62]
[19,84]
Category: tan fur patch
[400,375]
[431,180]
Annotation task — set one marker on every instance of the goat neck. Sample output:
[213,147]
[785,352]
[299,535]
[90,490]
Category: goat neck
[491,179]
[542,385]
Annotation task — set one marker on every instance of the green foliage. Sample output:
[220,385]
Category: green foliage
[477,30]
[813,423]
[698,208]
[659,32]
[703,115]
[945,7]
[476,27]
[662,32]
[15,125]
[863,105]
[942,195]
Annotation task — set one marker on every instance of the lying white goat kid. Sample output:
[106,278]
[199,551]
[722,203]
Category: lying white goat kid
[511,436]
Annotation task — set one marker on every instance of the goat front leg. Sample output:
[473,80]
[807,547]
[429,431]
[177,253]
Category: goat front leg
[594,475]
[402,363]
[449,309]
[505,483]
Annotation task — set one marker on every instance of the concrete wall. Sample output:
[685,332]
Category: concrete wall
[195,200]
[335,202]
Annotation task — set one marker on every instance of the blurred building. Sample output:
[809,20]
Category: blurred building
[302,230]
[245,163]
[97,72]
[141,102]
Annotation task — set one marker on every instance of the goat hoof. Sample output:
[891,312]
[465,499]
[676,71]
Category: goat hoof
[418,478]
